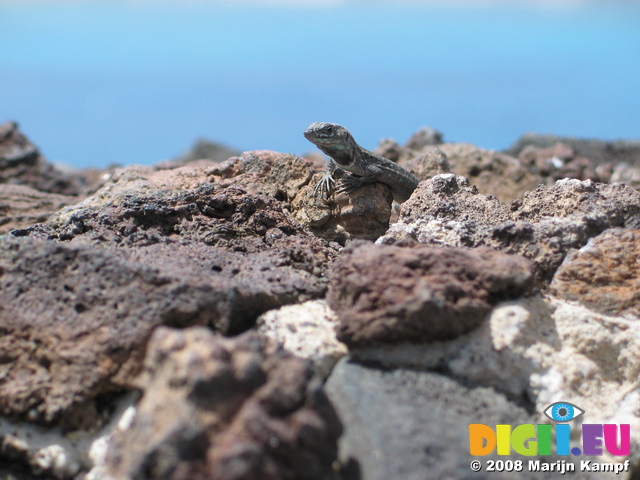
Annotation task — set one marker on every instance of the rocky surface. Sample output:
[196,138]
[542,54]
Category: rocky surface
[146,250]
[203,152]
[403,423]
[364,214]
[184,320]
[75,321]
[603,275]
[225,409]
[22,164]
[30,451]
[22,206]
[532,160]
[386,294]
[491,172]
[538,350]
[308,330]
[544,226]
[598,151]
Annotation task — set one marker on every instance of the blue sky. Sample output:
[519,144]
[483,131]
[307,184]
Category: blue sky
[136,82]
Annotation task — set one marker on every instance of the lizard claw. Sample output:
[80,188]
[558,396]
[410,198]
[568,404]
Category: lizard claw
[325,185]
[350,183]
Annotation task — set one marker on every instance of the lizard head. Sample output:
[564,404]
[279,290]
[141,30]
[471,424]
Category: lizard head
[329,137]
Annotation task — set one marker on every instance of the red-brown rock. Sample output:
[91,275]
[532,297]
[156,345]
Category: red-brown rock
[386,294]
[604,275]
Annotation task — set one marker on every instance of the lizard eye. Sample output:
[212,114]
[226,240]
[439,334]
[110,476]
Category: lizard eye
[329,129]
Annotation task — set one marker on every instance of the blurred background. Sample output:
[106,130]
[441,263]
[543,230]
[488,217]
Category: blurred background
[100,82]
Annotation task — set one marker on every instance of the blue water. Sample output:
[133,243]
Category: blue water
[136,82]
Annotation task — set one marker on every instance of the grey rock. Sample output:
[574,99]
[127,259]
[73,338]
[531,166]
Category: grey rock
[424,137]
[202,149]
[414,425]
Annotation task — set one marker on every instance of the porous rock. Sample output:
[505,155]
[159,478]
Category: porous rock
[550,221]
[425,165]
[446,211]
[139,206]
[600,151]
[561,161]
[75,317]
[225,409]
[604,274]
[385,294]
[149,248]
[424,137]
[308,330]
[48,453]
[544,350]
[219,244]
[543,226]
[285,270]
[600,205]
[392,150]
[450,197]
[75,320]
[250,283]
[257,182]
[361,214]
[22,206]
[494,173]
[228,218]
[271,173]
[625,173]
[22,164]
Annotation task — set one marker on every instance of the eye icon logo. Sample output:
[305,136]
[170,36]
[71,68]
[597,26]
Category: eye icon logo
[535,440]
[563,412]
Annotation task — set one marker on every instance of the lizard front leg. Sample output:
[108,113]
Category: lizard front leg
[361,175]
[325,185]
[350,183]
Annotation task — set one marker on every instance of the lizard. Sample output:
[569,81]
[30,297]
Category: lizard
[364,166]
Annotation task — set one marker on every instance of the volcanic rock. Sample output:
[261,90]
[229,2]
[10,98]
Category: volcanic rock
[226,409]
[413,425]
[22,206]
[386,294]
[603,275]
[22,164]
[543,226]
